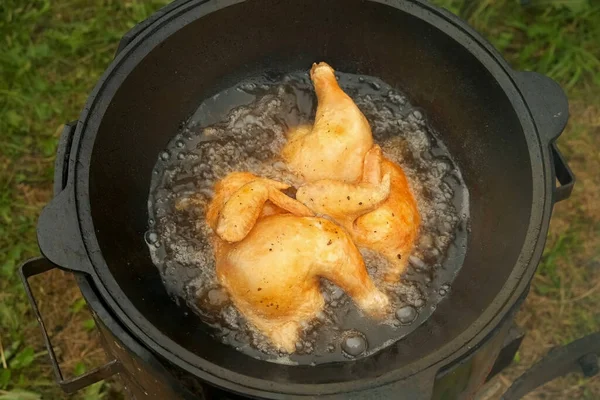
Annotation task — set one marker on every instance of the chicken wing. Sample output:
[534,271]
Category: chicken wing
[270,257]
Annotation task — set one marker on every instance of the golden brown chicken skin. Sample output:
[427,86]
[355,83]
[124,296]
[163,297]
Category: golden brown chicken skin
[270,257]
[387,224]
[336,144]
[346,183]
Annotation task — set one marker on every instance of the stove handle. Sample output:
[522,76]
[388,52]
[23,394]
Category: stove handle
[563,174]
[38,266]
[581,355]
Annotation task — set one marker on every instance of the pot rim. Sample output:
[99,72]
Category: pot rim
[152,338]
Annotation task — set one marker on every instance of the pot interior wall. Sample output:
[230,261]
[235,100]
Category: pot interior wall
[459,96]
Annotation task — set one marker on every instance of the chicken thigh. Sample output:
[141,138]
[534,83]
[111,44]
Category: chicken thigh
[270,255]
[387,224]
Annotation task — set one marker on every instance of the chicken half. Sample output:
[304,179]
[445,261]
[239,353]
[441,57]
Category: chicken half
[271,253]
[346,176]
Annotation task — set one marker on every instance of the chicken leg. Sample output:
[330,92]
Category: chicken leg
[336,144]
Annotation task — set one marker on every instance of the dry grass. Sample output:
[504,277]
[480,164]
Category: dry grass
[58,299]
[74,338]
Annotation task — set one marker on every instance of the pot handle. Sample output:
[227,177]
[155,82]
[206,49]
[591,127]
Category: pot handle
[547,103]
[549,108]
[58,230]
[38,266]
[580,355]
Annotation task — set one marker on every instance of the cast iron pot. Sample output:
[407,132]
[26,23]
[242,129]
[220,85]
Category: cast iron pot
[499,124]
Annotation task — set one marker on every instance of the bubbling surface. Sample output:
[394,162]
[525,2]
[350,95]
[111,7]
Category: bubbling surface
[244,128]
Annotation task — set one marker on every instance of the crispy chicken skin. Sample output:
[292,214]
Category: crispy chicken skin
[270,255]
[387,224]
[335,146]
[347,177]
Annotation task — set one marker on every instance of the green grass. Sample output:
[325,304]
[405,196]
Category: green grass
[53,53]
[555,38]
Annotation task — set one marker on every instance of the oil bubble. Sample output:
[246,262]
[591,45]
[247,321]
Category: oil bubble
[337,293]
[419,302]
[406,314]
[354,344]
[417,114]
[151,237]
[165,155]
[280,166]
[180,144]
[216,297]
[417,262]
